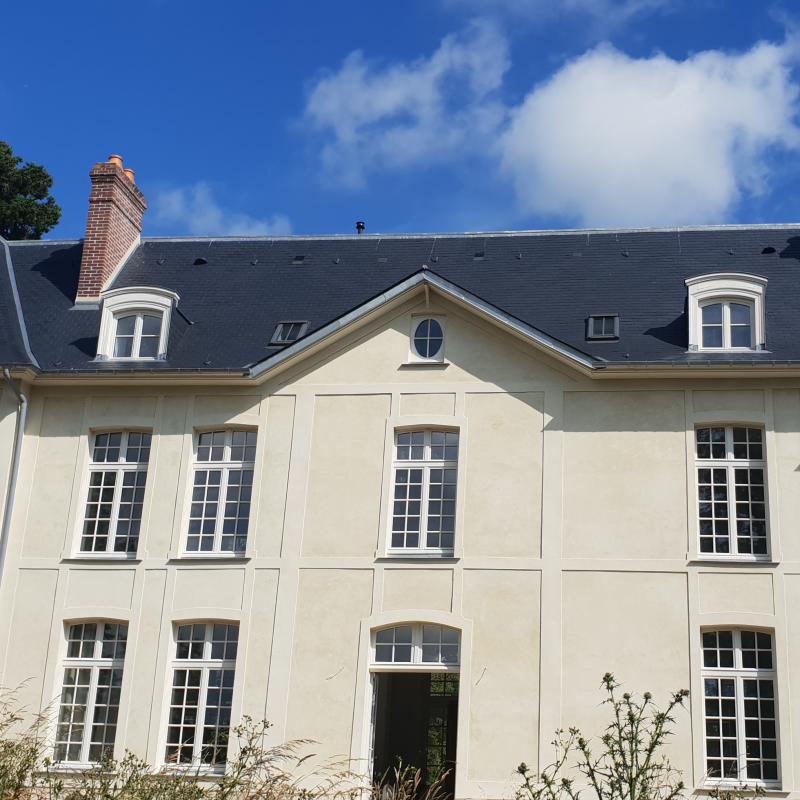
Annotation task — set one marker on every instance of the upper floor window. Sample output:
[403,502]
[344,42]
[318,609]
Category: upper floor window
[427,339]
[741,736]
[135,322]
[726,312]
[117,476]
[90,692]
[731,490]
[222,485]
[202,693]
[424,504]
[417,644]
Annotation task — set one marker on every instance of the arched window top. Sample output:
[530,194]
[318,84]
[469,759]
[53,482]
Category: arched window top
[726,312]
[417,644]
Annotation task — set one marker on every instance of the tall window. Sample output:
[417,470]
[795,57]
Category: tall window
[740,715]
[87,715]
[117,476]
[202,693]
[137,335]
[219,515]
[424,506]
[731,490]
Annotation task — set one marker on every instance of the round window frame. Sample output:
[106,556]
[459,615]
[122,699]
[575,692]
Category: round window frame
[438,355]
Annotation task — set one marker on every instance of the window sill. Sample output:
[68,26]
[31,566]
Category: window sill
[100,558]
[393,555]
[773,789]
[733,561]
[425,364]
[181,558]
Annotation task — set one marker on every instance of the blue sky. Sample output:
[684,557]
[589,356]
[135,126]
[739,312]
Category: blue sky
[426,115]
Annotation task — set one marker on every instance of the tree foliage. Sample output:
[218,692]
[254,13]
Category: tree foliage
[27,209]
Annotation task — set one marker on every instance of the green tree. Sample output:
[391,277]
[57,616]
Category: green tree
[27,209]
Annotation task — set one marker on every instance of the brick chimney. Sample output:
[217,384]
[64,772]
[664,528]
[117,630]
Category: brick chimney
[116,208]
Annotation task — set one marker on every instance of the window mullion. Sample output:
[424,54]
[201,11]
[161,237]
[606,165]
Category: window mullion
[115,503]
[223,493]
[94,675]
[741,743]
[137,337]
[732,537]
[423,518]
[197,750]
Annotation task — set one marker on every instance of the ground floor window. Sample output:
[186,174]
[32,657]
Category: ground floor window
[202,694]
[90,692]
[741,736]
[415,684]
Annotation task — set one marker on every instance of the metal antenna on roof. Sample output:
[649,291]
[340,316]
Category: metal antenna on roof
[360,226]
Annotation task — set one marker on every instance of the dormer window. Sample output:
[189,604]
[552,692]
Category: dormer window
[726,312]
[135,324]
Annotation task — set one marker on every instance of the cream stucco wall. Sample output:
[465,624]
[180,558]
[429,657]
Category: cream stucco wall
[575,546]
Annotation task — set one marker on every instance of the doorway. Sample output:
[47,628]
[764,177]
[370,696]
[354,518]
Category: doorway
[415,722]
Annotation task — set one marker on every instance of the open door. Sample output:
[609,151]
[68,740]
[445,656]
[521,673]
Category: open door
[416,720]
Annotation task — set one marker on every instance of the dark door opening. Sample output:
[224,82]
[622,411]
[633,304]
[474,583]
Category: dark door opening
[416,716]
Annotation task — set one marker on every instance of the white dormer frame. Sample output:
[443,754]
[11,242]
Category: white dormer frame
[721,287]
[117,303]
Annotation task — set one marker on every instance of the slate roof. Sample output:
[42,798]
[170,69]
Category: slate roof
[230,305]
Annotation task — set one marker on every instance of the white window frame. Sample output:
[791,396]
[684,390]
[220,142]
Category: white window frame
[726,288]
[226,466]
[426,465]
[205,665]
[415,357]
[94,663]
[592,336]
[739,674]
[730,464]
[416,664]
[118,303]
[120,468]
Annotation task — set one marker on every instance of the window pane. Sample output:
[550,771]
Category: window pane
[741,336]
[148,347]
[126,325]
[123,346]
[712,336]
[712,314]
[740,314]
[151,325]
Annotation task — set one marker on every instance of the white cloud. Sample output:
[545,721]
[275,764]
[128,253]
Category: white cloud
[603,13]
[613,140]
[194,210]
[432,109]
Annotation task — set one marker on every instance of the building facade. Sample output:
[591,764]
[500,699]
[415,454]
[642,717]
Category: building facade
[403,495]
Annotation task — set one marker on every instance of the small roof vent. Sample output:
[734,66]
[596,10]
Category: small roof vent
[479,255]
[768,251]
[198,262]
[298,259]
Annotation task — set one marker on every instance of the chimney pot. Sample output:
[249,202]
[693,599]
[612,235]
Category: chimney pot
[130,174]
[115,159]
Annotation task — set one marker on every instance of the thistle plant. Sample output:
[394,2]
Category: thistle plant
[627,764]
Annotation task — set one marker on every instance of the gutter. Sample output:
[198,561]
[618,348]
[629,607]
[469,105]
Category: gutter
[11,484]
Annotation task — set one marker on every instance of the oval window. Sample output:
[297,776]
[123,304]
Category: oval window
[428,338]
